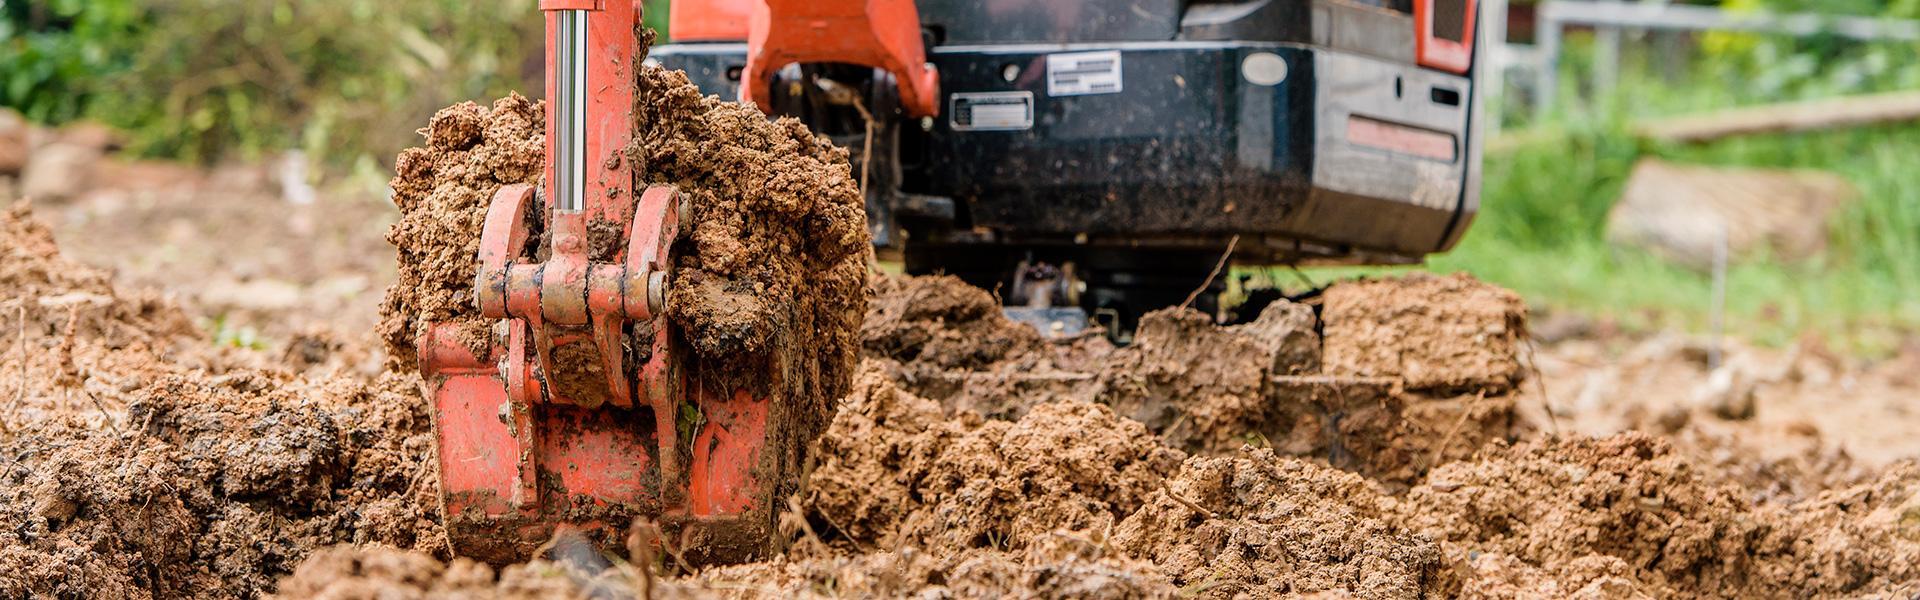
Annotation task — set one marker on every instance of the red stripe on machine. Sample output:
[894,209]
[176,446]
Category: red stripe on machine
[1394,137]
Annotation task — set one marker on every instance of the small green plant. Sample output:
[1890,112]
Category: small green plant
[228,335]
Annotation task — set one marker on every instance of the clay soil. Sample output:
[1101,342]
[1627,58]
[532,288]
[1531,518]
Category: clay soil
[1396,438]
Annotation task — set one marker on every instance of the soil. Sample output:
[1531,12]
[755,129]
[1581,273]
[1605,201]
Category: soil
[946,340]
[1645,513]
[1393,441]
[75,342]
[896,469]
[1435,332]
[1202,387]
[144,461]
[774,256]
[382,572]
[442,190]
[1257,525]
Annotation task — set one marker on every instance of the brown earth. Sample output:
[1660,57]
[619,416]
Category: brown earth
[1389,441]
[143,462]
[1259,525]
[1550,511]
[442,190]
[222,479]
[1435,332]
[1211,389]
[895,469]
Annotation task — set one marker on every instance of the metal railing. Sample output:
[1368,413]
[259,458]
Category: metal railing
[1609,19]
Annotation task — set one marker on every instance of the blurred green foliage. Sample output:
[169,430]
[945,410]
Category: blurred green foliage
[207,79]
[1813,65]
[53,52]
[1546,194]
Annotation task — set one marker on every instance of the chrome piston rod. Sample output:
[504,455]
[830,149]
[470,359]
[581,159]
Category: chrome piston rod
[570,106]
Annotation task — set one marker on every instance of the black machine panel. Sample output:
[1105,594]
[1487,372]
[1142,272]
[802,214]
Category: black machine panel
[1058,21]
[1108,122]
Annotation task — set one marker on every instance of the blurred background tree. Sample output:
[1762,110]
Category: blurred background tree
[54,52]
[204,80]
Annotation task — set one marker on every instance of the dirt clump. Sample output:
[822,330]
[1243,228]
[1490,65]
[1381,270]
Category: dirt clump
[941,322]
[1203,387]
[895,469]
[1261,525]
[442,190]
[1211,389]
[86,343]
[216,486]
[774,254]
[1629,507]
[1435,332]
[947,341]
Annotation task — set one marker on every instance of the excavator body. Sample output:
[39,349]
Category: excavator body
[1107,153]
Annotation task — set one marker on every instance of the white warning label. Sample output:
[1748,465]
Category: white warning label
[1083,73]
[991,111]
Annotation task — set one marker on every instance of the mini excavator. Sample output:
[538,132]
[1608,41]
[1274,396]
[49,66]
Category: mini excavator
[1086,155]
[1098,157]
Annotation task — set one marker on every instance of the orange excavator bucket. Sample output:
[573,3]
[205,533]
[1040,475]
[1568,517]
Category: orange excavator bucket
[579,408]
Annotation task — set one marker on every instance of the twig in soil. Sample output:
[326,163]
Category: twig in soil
[1433,458]
[1216,272]
[19,394]
[844,533]
[1191,505]
[640,540]
[799,519]
[105,415]
[1540,381]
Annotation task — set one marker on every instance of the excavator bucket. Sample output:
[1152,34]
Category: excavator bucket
[579,406]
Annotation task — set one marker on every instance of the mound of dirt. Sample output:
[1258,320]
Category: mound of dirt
[777,245]
[1628,512]
[1257,525]
[938,321]
[87,343]
[1201,387]
[947,341]
[219,486]
[896,470]
[442,190]
[1444,333]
